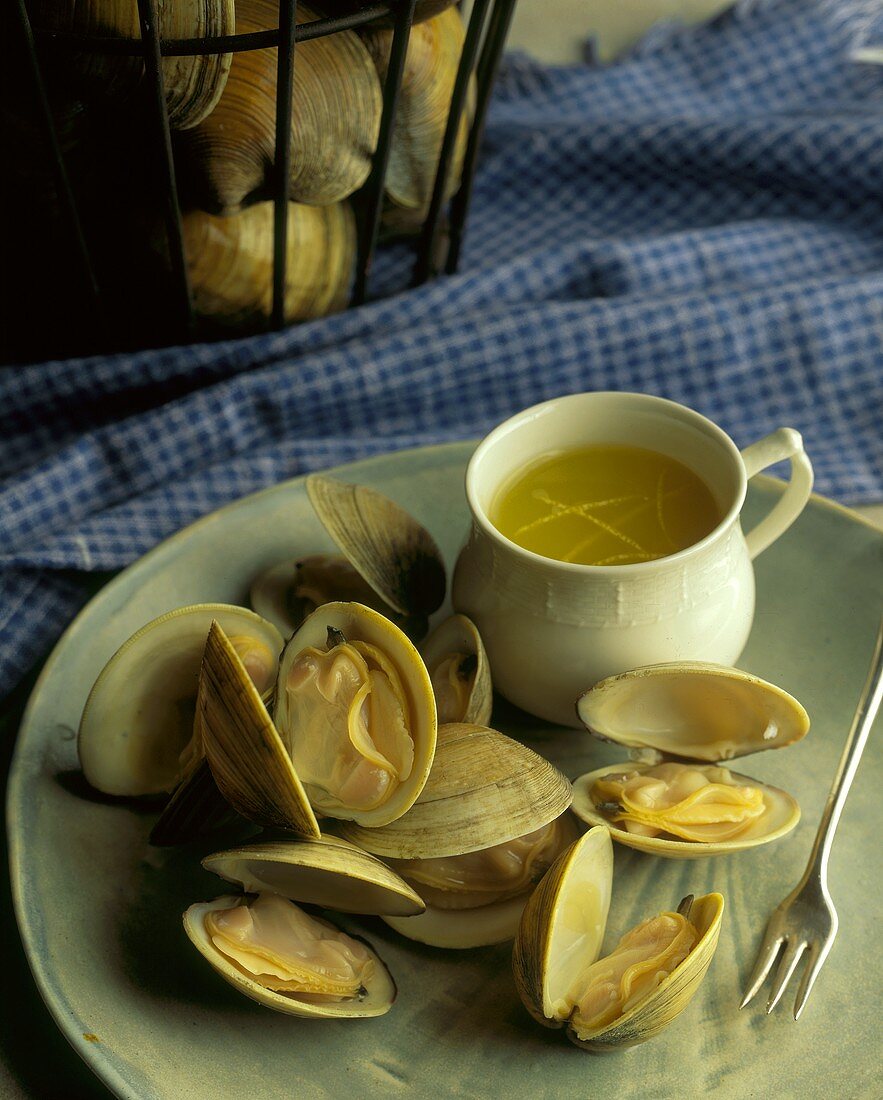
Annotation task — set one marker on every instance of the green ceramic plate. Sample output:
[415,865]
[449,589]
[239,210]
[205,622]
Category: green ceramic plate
[100,911]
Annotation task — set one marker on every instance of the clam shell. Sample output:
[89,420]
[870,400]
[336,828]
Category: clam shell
[781,816]
[694,711]
[230,260]
[571,905]
[380,991]
[327,871]
[193,85]
[336,109]
[248,760]
[359,623]
[459,634]
[478,927]
[671,997]
[138,718]
[551,921]
[431,64]
[393,552]
[484,789]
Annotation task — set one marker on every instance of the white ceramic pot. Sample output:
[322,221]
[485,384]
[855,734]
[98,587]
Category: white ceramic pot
[552,628]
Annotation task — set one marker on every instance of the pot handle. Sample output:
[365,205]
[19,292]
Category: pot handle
[778,445]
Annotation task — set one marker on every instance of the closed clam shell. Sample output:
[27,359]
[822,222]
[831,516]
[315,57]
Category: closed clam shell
[355,623]
[230,260]
[327,871]
[376,999]
[139,715]
[394,553]
[335,121]
[781,815]
[458,636]
[193,85]
[560,936]
[484,789]
[431,64]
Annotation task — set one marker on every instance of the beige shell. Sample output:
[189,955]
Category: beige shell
[395,554]
[781,815]
[138,718]
[496,922]
[484,789]
[692,712]
[230,260]
[327,871]
[357,623]
[193,85]
[572,902]
[248,760]
[431,63]
[336,108]
[458,635]
[378,997]
[423,9]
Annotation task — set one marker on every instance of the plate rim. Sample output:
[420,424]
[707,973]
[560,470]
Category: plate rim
[100,1066]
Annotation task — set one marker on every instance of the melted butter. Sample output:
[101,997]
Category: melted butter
[605,504]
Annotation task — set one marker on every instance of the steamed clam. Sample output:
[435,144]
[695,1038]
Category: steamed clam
[273,951]
[231,262]
[336,108]
[486,826]
[459,670]
[355,724]
[684,720]
[628,996]
[388,561]
[137,733]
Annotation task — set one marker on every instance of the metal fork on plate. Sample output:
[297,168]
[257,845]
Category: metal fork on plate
[806,921]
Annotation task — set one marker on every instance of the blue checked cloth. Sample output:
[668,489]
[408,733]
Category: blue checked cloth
[701,220]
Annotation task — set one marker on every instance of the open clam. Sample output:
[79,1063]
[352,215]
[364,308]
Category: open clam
[628,996]
[388,561]
[683,720]
[486,826]
[459,670]
[354,732]
[274,952]
[137,734]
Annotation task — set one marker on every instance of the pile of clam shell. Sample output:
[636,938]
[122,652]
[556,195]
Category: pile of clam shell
[384,790]
[222,111]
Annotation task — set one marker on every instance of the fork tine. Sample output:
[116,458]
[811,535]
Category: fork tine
[766,956]
[787,964]
[816,959]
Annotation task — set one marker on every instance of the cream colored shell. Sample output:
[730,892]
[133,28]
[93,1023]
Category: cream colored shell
[380,991]
[569,908]
[138,716]
[781,815]
[359,623]
[459,634]
[327,871]
[484,789]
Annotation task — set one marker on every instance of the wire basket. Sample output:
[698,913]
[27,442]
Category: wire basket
[437,243]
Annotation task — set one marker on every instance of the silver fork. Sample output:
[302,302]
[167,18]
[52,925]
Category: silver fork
[806,921]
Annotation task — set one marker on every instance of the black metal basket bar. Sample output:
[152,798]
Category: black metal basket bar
[481,54]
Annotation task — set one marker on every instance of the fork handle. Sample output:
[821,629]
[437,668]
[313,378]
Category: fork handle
[866,711]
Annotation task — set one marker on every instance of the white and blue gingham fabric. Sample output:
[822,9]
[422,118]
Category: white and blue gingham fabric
[702,220]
